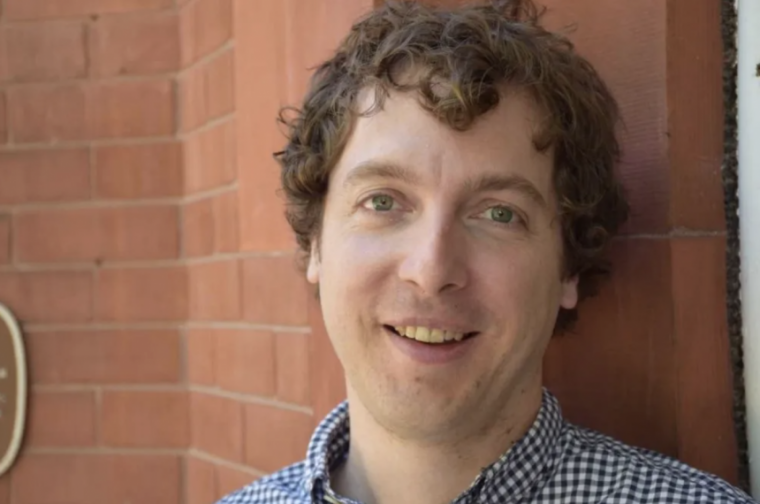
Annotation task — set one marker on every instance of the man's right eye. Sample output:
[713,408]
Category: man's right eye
[381,203]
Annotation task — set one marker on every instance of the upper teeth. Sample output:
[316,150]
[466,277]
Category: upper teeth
[429,335]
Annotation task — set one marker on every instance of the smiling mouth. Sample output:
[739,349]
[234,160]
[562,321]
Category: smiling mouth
[429,335]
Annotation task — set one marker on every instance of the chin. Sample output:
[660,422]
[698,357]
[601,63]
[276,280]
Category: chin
[417,403]
[415,418]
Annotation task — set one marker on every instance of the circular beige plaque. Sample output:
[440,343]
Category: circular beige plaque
[13,381]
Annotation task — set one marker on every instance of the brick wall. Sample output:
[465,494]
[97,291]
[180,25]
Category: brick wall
[650,360]
[210,231]
[91,185]
[142,244]
[249,349]
[175,351]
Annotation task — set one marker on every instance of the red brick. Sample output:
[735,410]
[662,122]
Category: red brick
[226,222]
[48,113]
[220,83]
[5,239]
[274,437]
[293,368]
[143,44]
[274,292]
[131,109]
[207,91]
[210,157]
[305,22]
[192,91]
[94,234]
[217,426]
[138,171]
[246,362]
[61,419]
[104,357]
[145,419]
[3,66]
[210,225]
[258,25]
[96,479]
[205,25]
[36,9]
[44,175]
[45,51]
[48,296]
[58,235]
[262,208]
[200,481]
[141,294]
[3,118]
[5,489]
[215,290]
[632,310]
[201,356]
[146,232]
[695,57]
[700,329]
[229,480]
[198,228]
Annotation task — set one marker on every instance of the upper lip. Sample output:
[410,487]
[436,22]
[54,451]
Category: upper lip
[431,323]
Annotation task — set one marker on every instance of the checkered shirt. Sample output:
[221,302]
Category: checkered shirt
[554,462]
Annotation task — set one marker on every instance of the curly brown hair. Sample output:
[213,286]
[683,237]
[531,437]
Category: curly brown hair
[474,51]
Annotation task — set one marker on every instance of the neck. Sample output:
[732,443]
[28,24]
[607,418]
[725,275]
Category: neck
[383,468]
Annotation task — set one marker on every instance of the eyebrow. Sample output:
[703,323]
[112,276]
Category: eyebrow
[490,182]
[512,182]
[379,170]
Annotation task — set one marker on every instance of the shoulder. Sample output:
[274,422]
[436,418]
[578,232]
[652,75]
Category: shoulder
[281,487]
[626,474]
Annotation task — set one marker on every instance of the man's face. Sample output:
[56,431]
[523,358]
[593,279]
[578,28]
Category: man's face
[440,234]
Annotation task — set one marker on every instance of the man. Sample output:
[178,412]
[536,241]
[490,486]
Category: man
[451,181]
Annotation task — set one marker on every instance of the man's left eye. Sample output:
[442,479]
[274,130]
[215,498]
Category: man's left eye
[382,202]
[501,214]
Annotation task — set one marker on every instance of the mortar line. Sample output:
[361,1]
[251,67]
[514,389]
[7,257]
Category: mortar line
[207,457]
[251,399]
[208,125]
[80,144]
[101,326]
[89,80]
[105,450]
[203,60]
[164,11]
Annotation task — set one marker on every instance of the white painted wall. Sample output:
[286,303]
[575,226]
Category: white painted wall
[748,89]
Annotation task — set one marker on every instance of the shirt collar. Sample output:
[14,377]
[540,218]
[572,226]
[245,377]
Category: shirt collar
[522,468]
[327,449]
[531,461]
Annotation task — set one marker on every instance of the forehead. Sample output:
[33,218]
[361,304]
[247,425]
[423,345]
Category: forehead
[402,133]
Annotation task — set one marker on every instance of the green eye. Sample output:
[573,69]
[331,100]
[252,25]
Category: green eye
[382,203]
[501,214]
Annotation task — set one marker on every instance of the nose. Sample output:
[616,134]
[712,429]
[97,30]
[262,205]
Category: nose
[434,257]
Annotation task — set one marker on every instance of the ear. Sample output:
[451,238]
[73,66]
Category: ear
[569,293]
[313,269]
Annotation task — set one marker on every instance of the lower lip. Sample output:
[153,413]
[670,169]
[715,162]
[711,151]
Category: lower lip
[427,353]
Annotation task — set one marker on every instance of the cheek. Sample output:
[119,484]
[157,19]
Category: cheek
[520,284]
[355,272]
[353,276]
[354,259]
